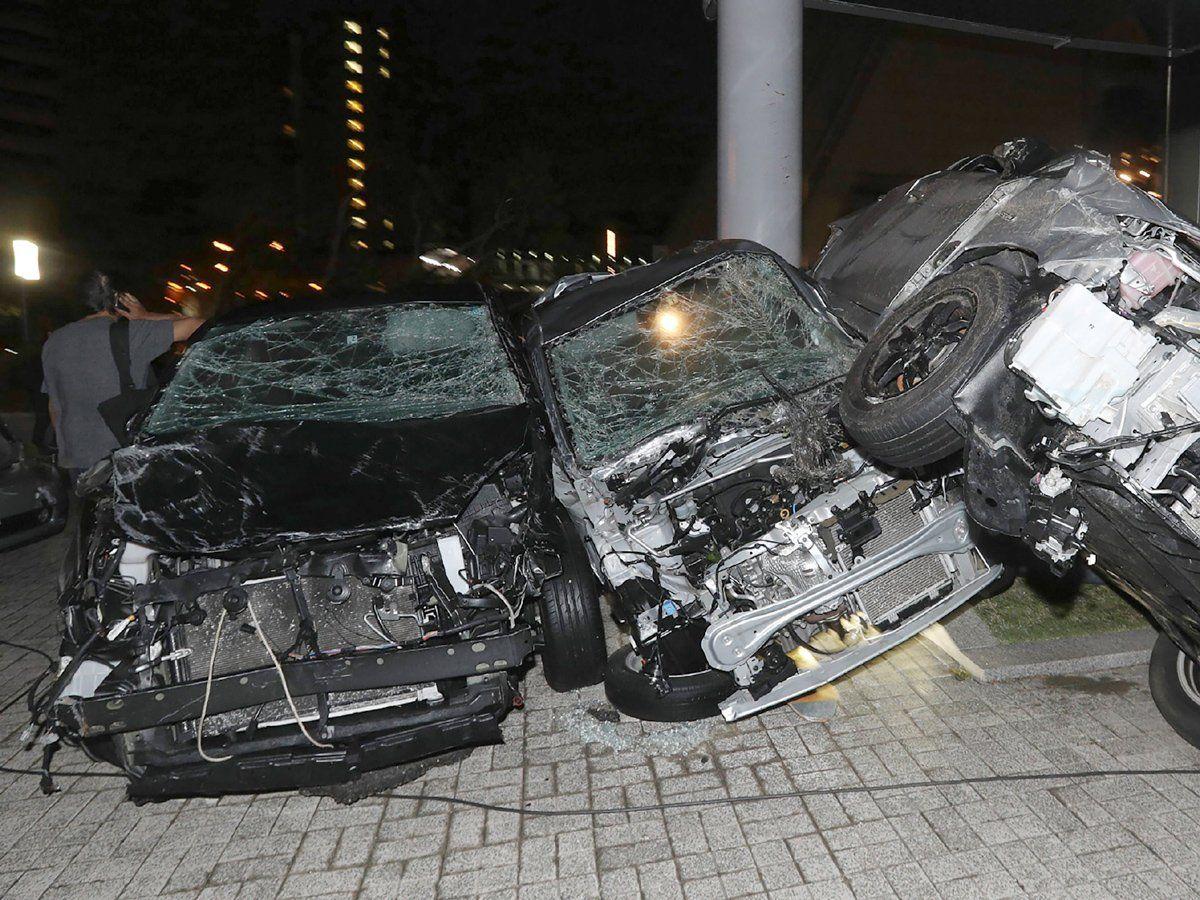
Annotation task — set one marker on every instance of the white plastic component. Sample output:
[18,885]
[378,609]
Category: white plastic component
[1179,317]
[135,563]
[1080,355]
[450,548]
[1054,482]
[87,678]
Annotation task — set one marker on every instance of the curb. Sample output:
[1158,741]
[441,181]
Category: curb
[1065,656]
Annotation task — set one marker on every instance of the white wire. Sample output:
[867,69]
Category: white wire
[282,679]
[212,659]
[512,612]
[367,622]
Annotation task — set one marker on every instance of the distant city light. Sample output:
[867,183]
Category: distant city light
[354,87]
[353,65]
[354,105]
[358,202]
[221,267]
[12,351]
[385,53]
[1125,176]
[383,33]
[1144,173]
[352,26]
[315,286]
[355,144]
[185,267]
[388,245]
[356,183]
[360,245]
[221,245]
[354,125]
[357,164]
[358,221]
[289,130]
[275,245]
[353,46]
[387,223]
[203,286]
[385,72]
[261,295]
[25,260]
[610,243]
[189,287]
[175,287]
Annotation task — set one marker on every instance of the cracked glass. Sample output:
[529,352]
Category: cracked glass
[374,364]
[714,337]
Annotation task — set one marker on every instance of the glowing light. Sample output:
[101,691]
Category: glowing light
[354,105]
[385,72]
[356,164]
[190,288]
[355,183]
[358,221]
[221,245]
[387,223]
[25,260]
[261,295]
[668,323]
[315,286]
[354,66]
[354,87]
[221,267]
[360,245]
[275,245]
[185,267]
[289,130]
[358,202]
[385,53]
[389,245]
[1155,194]
[610,243]
[1144,173]
[12,351]
[175,287]
[1125,176]
[355,144]
[354,125]
[203,286]
[352,26]
[383,33]
[353,46]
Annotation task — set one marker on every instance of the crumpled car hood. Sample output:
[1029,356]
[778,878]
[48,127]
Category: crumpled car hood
[242,487]
[1065,214]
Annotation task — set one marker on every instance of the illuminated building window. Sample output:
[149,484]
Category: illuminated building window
[221,267]
[358,202]
[352,27]
[385,72]
[353,46]
[360,245]
[385,52]
[354,105]
[289,130]
[353,65]
[358,221]
[389,245]
[355,183]
[354,125]
[383,33]
[355,144]
[354,87]
[387,223]
[275,245]
[356,164]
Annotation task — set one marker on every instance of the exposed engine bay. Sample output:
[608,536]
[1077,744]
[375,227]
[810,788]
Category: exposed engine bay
[306,665]
[732,559]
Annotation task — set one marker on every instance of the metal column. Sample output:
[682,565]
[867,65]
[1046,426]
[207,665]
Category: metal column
[759,175]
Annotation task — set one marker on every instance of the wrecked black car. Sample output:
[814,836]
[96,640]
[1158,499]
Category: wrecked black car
[326,552]
[752,551]
[1045,337]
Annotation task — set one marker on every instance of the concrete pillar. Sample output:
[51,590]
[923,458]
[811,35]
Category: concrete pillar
[1183,137]
[759,175]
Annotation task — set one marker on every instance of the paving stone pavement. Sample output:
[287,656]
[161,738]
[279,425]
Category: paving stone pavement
[903,718]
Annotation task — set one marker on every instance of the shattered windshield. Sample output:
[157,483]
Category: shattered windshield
[374,364]
[715,336]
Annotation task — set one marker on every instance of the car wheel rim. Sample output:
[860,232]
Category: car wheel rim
[920,346]
[1186,670]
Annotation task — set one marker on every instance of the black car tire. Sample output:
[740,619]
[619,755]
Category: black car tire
[691,697]
[1175,687]
[908,422]
[572,621]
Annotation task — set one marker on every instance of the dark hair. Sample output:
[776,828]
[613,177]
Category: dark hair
[98,293]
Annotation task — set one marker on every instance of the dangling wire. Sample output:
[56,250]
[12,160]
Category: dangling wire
[212,660]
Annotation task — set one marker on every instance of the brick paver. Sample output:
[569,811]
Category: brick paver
[904,718]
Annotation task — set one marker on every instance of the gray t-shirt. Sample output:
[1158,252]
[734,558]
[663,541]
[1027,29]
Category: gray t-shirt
[80,374]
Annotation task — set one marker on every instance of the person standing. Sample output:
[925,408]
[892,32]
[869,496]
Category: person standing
[80,368]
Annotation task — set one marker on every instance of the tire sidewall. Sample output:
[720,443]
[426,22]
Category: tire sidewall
[1173,700]
[692,697]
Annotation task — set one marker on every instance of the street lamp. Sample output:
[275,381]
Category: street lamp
[25,267]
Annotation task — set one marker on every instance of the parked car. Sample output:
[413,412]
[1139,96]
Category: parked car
[752,552]
[33,495]
[1044,336]
[326,552]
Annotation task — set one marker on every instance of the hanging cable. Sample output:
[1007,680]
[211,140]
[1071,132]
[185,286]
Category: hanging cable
[212,661]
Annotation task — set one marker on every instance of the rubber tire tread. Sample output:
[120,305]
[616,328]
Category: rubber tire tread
[1180,711]
[572,622]
[691,697]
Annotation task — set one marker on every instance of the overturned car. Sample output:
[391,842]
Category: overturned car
[1042,331]
[754,553]
[325,553]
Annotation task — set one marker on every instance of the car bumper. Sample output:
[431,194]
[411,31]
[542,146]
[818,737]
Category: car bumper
[33,504]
